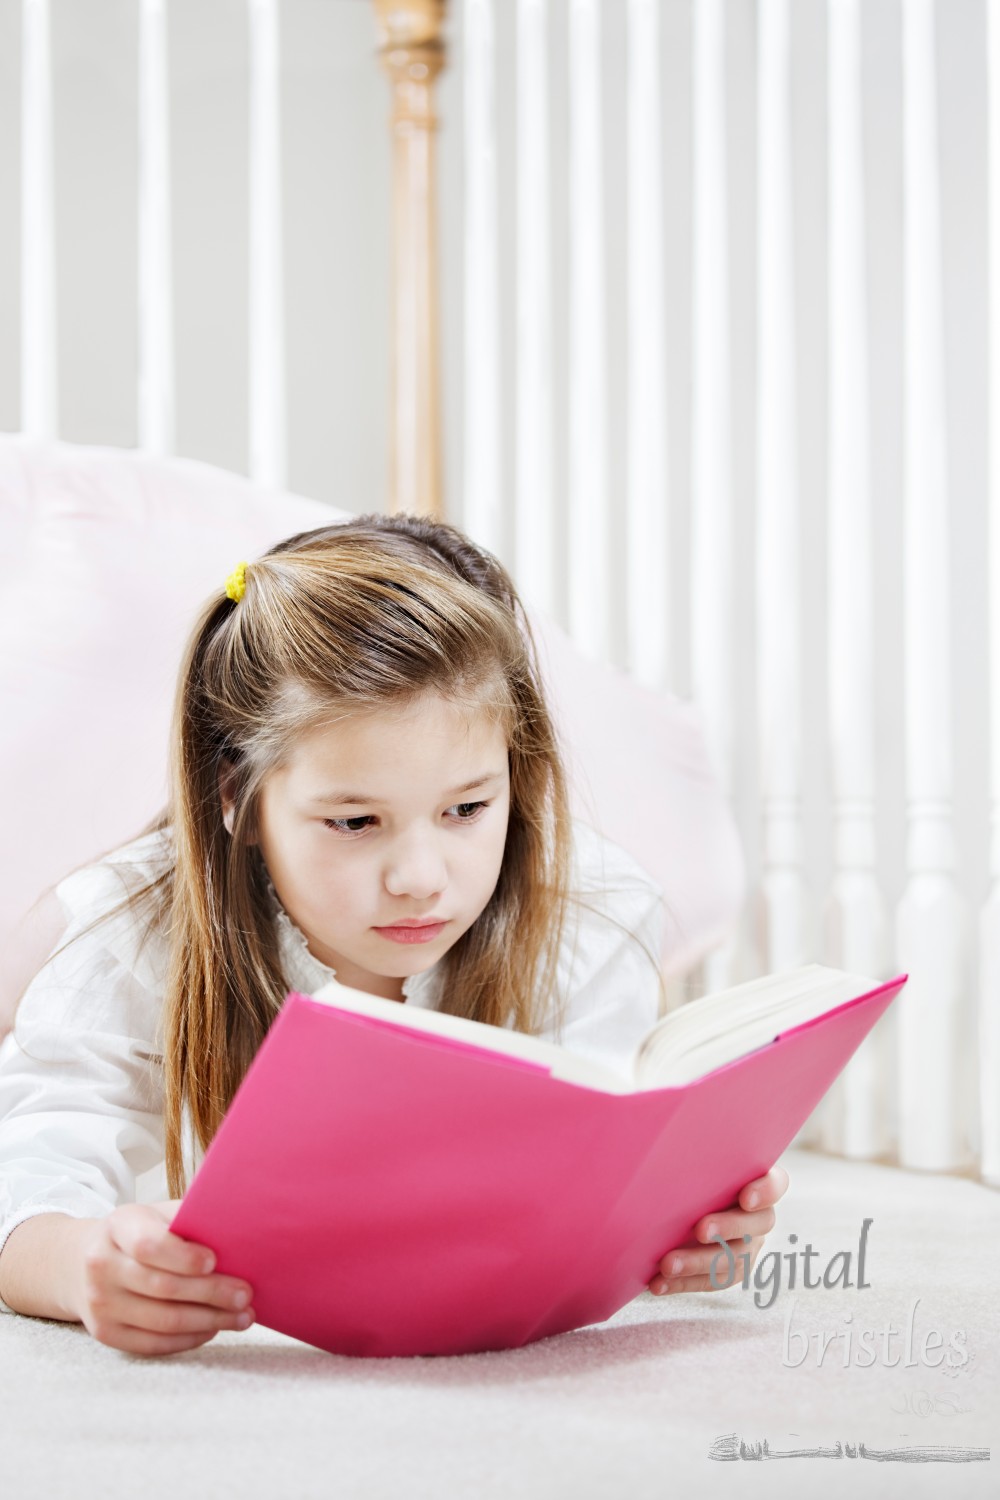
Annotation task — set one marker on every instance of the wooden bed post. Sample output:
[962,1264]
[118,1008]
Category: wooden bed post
[413,54]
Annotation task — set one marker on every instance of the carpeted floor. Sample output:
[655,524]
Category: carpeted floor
[632,1408]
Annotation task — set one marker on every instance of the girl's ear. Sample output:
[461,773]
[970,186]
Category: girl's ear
[227,796]
[227,793]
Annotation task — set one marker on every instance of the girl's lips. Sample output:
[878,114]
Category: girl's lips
[412,934]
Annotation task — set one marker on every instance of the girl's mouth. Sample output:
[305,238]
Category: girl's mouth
[412,934]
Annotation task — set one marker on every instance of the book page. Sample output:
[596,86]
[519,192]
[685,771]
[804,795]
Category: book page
[708,1033]
[560,1062]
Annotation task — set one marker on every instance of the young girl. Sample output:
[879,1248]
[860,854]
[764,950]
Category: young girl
[365,789]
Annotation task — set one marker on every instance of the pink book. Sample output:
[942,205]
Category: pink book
[395,1182]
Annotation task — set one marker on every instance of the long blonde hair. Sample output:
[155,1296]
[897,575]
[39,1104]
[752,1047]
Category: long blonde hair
[368,613]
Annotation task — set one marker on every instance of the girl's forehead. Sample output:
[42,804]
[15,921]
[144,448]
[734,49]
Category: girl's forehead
[429,725]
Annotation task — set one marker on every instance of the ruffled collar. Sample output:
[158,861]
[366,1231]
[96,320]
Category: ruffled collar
[306,973]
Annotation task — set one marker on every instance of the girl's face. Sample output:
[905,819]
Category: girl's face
[375,820]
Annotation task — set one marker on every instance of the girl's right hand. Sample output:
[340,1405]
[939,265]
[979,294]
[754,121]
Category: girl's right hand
[147,1291]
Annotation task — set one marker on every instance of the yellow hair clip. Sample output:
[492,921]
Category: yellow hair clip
[236,583]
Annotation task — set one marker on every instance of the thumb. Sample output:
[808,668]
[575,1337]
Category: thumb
[166,1209]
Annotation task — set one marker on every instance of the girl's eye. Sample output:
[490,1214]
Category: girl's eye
[348,825]
[351,827]
[467,810]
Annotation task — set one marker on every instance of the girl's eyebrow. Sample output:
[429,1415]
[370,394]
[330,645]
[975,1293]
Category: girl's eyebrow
[343,799]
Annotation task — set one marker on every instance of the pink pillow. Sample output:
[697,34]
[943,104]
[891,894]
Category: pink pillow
[106,555]
[105,558]
[640,772]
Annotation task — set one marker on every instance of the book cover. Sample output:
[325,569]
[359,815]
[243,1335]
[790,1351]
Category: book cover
[387,1192]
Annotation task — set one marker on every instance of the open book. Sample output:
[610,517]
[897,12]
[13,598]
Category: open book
[399,1181]
[685,1045]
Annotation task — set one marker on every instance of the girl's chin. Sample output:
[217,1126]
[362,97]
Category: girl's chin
[396,965]
[407,963]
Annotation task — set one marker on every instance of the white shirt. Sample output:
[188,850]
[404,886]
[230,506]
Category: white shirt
[81,1093]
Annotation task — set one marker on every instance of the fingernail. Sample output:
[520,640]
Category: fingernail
[711,1230]
[664,1286]
[677,1264]
[753,1200]
[244,1320]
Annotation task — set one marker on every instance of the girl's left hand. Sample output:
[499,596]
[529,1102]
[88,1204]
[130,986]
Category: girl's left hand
[686,1268]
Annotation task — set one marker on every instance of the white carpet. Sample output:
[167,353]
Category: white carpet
[629,1408]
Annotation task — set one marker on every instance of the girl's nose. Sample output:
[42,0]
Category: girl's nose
[415,870]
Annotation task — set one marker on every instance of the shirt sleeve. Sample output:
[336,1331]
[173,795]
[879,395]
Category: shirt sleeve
[609,960]
[81,1107]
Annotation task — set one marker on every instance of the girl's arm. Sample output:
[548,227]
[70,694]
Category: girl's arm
[81,1118]
[81,1107]
[38,1266]
[133,1284]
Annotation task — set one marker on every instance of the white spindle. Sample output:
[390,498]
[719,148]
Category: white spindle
[39,351]
[989,931]
[483,498]
[648,593]
[711,481]
[534,510]
[779,613]
[156,343]
[930,939]
[856,921]
[267,303]
[587,542]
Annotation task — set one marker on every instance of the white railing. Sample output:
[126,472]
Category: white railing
[856,1116]
[39,369]
[156,385]
[930,928]
[912,1092]
[267,302]
[534,517]
[712,542]
[647,514]
[781,934]
[988,1016]
[649,627]
[482,474]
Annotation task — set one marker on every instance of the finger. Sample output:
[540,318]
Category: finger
[733,1224]
[175,1318]
[139,1342]
[168,1286]
[145,1237]
[693,1284]
[717,1279]
[698,1261]
[149,1332]
[166,1208]
[765,1191]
